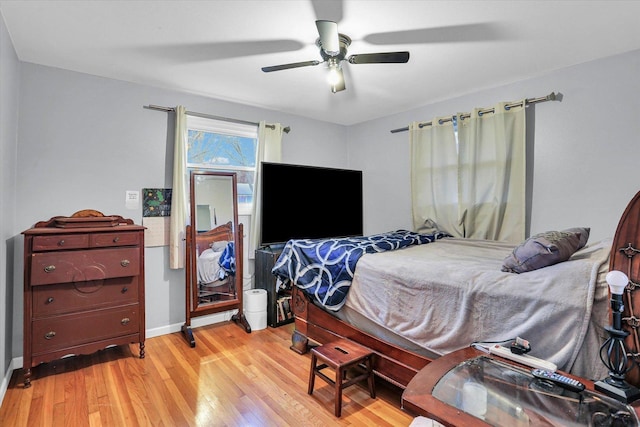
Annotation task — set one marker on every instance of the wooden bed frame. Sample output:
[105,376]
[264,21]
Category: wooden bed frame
[626,245]
[393,363]
[398,366]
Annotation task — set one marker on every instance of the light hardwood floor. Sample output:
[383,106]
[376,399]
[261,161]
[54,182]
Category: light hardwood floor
[230,378]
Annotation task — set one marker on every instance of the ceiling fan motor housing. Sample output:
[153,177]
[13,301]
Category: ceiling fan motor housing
[345,41]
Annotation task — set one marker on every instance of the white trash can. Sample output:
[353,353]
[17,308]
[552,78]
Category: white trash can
[255,308]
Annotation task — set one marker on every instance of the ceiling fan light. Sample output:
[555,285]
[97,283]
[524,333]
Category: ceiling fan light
[334,77]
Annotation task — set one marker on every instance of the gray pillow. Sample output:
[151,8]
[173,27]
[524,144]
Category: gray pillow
[545,249]
[583,232]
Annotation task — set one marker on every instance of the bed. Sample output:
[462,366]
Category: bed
[215,265]
[417,303]
[212,278]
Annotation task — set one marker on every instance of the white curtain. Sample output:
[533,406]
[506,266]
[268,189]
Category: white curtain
[179,193]
[477,190]
[492,173]
[269,150]
[434,177]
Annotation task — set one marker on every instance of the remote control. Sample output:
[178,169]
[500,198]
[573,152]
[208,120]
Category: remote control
[561,380]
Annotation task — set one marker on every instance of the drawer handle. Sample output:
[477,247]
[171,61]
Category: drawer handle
[124,290]
[61,242]
[50,268]
[125,321]
[116,239]
[125,263]
[49,335]
[49,300]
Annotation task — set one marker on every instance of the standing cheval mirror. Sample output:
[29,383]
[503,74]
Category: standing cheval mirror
[213,249]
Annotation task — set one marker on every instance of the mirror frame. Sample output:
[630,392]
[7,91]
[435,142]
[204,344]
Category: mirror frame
[192,304]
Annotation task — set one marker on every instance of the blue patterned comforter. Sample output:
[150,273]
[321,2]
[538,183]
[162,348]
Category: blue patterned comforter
[228,260]
[324,268]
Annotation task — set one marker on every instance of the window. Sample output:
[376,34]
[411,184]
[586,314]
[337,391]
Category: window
[224,146]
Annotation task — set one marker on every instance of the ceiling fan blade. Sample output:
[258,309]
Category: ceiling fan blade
[484,31]
[203,52]
[329,40]
[288,66]
[380,58]
[339,85]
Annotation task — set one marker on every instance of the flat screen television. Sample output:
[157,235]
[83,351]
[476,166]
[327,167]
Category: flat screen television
[309,202]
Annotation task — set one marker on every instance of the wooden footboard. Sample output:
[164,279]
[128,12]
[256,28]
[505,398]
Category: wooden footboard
[392,363]
[625,256]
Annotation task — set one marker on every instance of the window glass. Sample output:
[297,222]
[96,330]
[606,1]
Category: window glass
[224,146]
[220,151]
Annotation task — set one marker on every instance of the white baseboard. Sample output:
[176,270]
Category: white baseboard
[195,322]
[16,363]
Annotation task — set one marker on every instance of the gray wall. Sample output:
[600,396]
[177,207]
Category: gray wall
[85,140]
[585,148]
[9,83]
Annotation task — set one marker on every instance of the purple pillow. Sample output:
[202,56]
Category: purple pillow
[545,249]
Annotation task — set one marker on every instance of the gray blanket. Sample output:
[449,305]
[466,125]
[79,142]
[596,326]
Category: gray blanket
[448,294]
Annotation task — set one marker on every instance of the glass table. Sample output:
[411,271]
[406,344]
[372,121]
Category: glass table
[478,389]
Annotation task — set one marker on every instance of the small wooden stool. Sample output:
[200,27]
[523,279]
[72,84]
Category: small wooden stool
[341,355]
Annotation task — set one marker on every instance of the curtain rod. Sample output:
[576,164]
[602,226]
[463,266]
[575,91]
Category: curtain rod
[209,116]
[551,97]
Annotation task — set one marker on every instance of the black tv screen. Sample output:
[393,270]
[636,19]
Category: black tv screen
[309,202]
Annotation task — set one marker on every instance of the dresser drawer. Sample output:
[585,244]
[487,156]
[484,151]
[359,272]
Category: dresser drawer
[59,242]
[56,333]
[79,266]
[80,296]
[101,240]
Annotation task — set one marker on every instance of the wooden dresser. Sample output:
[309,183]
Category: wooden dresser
[83,287]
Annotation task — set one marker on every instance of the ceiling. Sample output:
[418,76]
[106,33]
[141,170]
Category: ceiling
[217,48]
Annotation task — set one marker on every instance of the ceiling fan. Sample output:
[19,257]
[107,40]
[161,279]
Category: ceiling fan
[333,50]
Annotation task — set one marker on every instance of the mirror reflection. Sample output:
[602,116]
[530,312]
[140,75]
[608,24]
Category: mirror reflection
[213,249]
